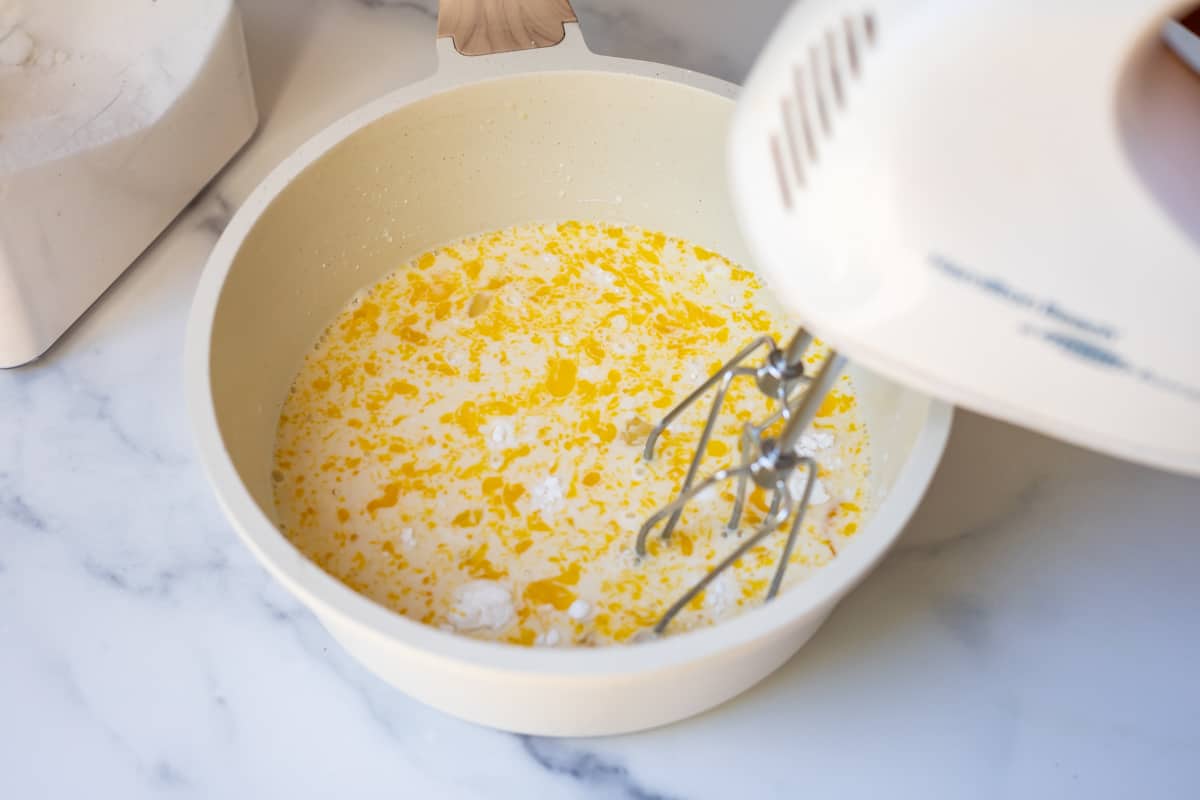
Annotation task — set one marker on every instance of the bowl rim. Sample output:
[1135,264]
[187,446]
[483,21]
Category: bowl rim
[332,601]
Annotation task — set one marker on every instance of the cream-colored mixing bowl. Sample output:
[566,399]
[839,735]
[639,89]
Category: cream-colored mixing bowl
[491,141]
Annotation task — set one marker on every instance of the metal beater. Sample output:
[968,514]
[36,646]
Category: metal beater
[768,461]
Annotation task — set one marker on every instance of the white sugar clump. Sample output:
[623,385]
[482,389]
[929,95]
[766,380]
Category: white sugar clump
[599,277]
[707,496]
[579,610]
[722,593]
[547,496]
[481,604]
[503,434]
[814,442]
[796,483]
[548,639]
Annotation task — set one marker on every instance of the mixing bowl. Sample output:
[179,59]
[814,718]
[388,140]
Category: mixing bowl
[490,141]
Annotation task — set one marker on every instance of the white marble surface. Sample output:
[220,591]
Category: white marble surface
[1036,633]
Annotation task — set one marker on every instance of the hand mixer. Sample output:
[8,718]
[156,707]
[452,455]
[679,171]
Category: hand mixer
[997,203]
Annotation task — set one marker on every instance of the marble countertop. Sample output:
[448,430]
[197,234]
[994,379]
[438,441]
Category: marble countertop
[1036,633]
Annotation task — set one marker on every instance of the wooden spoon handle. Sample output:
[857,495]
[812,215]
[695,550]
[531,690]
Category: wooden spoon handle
[482,27]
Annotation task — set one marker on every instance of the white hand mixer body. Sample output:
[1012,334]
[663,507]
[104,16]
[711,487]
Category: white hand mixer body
[997,203]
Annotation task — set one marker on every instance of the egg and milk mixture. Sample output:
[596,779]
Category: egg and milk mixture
[464,443]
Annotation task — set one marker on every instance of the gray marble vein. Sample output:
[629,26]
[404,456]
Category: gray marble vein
[15,511]
[598,776]
[214,212]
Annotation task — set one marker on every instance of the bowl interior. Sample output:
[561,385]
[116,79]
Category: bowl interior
[588,145]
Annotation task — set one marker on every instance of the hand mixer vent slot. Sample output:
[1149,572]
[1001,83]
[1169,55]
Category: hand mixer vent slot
[820,86]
